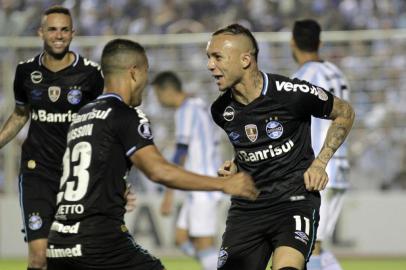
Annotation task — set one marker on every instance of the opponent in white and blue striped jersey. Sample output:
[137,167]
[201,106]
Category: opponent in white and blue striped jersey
[305,46]
[328,76]
[197,151]
[195,128]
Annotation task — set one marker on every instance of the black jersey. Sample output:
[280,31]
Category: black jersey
[271,135]
[100,140]
[54,99]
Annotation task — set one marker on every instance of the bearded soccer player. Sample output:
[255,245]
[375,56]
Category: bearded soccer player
[267,119]
[305,45]
[49,88]
[104,140]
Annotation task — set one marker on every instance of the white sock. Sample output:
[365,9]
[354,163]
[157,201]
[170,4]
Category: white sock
[314,263]
[329,261]
[188,248]
[208,258]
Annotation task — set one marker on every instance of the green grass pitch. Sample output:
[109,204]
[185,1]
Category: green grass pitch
[189,264]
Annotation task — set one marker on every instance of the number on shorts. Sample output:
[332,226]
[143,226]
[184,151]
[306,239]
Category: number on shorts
[298,220]
[81,152]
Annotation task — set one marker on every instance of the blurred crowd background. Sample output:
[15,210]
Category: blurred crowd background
[121,17]
[376,67]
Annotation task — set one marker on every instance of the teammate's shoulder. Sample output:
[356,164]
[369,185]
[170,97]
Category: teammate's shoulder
[30,63]
[87,63]
[121,109]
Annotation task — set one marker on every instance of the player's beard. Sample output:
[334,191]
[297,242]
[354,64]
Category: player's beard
[55,55]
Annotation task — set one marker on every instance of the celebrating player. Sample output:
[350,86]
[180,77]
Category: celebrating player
[49,88]
[267,119]
[305,45]
[104,140]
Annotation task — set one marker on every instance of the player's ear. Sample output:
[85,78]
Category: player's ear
[246,59]
[133,73]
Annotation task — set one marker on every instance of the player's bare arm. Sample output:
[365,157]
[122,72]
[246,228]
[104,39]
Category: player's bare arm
[14,124]
[167,201]
[343,116]
[155,167]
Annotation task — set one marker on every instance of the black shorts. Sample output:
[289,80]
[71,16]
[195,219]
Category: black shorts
[122,254]
[252,235]
[37,195]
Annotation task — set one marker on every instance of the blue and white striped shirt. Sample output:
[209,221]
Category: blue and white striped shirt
[196,129]
[328,76]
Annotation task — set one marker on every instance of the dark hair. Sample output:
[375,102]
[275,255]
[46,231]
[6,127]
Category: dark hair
[306,34]
[237,29]
[57,9]
[118,54]
[167,78]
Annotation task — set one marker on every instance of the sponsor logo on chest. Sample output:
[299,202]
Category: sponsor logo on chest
[314,90]
[44,116]
[270,152]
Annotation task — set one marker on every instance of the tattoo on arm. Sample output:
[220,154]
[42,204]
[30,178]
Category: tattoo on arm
[343,118]
[14,124]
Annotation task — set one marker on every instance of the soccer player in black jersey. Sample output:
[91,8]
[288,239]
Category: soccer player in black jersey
[104,140]
[49,89]
[267,120]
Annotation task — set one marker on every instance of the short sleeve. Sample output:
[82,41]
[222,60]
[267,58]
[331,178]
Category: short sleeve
[133,130]
[20,95]
[306,99]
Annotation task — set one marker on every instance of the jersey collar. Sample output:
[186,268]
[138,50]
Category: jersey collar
[110,95]
[73,64]
[265,83]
